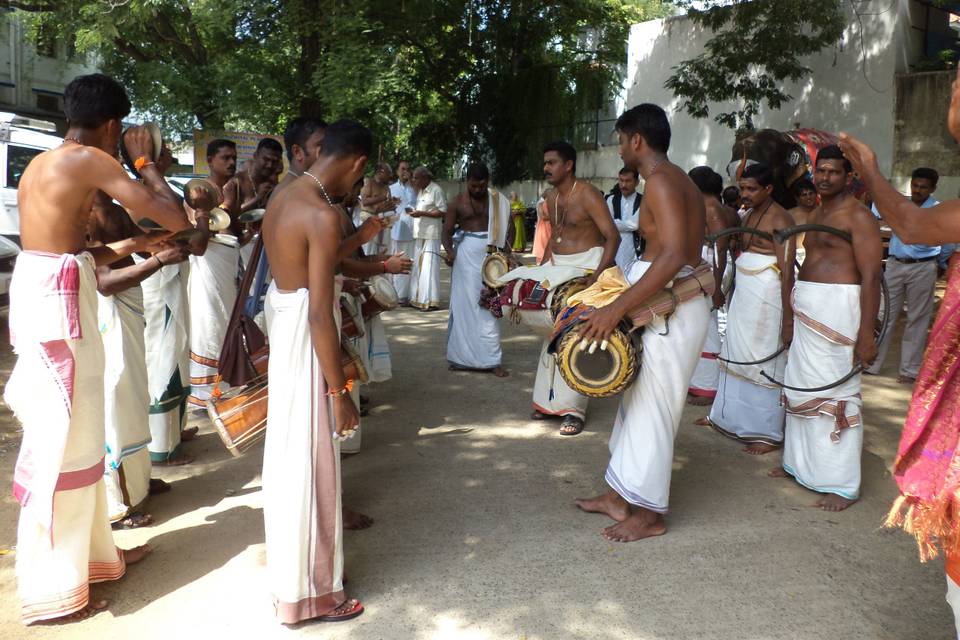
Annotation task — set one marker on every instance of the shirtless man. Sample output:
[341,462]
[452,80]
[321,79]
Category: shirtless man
[583,236]
[483,217]
[302,234]
[759,321]
[703,385]
[127,473]
[259,177]
[672,221]
[375,200]
[806,195]
[836,299]
[64,533]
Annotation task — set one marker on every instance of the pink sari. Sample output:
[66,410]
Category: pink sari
[927,468]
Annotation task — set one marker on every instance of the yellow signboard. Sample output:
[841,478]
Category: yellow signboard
[246,142]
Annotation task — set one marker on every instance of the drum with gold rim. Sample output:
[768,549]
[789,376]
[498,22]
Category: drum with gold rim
[603,373]
[495,265]
[382,297]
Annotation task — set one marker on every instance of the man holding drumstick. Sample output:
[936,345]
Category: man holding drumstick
[672,222]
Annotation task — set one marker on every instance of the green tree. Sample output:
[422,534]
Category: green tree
[435,79]
[755,46]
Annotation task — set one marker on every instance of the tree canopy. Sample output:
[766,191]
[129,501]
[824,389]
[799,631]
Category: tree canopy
[436,80]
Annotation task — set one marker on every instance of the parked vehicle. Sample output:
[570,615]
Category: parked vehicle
[21,139]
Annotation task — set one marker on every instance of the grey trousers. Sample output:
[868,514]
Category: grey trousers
[914,283]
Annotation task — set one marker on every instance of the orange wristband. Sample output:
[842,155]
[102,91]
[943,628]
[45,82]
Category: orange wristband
[140,163]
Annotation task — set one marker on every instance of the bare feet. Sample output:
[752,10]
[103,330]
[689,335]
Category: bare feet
[355,521]
[833,502]
[698,401]
[642,524]
[759,448]
[906,380]
[177,461]
[133,521]
[703,422]
[135,555]
[778,472]
[189,434]
[500,372]
[609,504]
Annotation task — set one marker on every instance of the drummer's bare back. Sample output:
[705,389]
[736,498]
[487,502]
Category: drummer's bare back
[676,195]
[582,222]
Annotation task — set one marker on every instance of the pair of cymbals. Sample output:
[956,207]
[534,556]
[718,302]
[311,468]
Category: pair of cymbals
[219,219]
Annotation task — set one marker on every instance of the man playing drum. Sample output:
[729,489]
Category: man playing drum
[672,221]
[376,200]
[748,407]
[483,217]
[64,541]
[583,237]
[310,408]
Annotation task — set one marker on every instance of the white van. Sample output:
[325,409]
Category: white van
[20,140]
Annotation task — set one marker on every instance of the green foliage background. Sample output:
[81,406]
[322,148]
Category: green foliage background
[437,80]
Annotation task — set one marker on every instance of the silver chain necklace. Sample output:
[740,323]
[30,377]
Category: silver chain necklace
[323,190]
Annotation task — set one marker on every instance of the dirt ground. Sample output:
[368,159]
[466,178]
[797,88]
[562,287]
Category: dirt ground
[476,536]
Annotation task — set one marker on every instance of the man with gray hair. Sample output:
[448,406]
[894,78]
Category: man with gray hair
[427,224]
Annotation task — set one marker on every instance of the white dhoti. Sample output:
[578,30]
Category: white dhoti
[473,335]
[64,540]
[379,364]
[361,346]
[824,434]
[748,406]
[301,470]
[425,274]
[126,400]
[706,377]
[551,395]
[401,281]
[213,292]
[166,338]
[641,446]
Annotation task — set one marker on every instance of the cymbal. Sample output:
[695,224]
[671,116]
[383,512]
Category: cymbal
[201,183]
[219,219]
[254,215]
[186,236]
[155,135]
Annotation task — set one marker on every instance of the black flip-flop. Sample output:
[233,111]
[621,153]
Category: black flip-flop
[571,421]
[350,614]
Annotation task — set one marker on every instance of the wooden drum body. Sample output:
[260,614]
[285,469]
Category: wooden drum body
[382,297]
[600,374]
[240,416]
[494,266]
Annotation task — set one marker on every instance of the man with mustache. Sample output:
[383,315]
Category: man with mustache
[748,407]
[835,302]
[583,236]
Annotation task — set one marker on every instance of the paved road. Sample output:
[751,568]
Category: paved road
[477,538]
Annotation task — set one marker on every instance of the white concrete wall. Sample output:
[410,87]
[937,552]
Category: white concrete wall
[841,94]
[836,96]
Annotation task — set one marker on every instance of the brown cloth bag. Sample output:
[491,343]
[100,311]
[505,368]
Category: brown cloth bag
[243,338]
